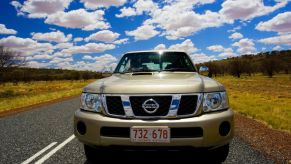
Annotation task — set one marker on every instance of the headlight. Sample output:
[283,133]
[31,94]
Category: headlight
[91,102]
[215,101]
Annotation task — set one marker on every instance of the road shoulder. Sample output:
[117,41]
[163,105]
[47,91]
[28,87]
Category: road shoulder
[273,143]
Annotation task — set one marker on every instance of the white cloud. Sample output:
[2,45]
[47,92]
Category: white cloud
[35,64]
[245,46]
[278,40]
[186,26]
[145,6]
[17,5]
[143,32]
[4,30]
[63,45]
[234,29]
[216,48]
[78,39]
[79,19]
[59,54]
[87,57]
[236,35]
[160,47]
[95,4]
[106,58]
[277,48]
[56,36]
[60,60]
[139,7]
[126,12]
[26,46]
[179,20]
[201,58]
[88,48]
[97,63]
[280,23]
[40,8]
[227,52]
[247,9]
[121,41]
[103,36]
[41,56]
[187,46]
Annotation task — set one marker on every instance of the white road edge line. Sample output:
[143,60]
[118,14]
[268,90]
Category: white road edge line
[52,152]
[39,153]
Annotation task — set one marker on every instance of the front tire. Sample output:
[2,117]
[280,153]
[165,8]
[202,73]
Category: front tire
[92,153]
[220,154]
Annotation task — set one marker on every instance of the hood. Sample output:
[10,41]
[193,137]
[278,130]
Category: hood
[157,83]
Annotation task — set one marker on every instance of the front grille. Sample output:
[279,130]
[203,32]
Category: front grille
[163,101]
[187,105]
[114,105]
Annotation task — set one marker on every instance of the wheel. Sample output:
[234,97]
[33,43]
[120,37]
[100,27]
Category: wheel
[220,154]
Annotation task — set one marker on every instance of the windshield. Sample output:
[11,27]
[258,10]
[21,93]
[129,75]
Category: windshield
[155,62]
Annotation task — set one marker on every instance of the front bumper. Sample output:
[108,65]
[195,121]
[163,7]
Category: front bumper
[209,123]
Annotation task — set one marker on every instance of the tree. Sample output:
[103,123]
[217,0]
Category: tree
[236,67]
[9,59]
[270,64]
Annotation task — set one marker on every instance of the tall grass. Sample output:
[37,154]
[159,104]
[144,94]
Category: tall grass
[24,94]
[262,98]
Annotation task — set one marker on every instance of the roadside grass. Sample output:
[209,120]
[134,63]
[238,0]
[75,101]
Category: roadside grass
[265,99]
[25,94]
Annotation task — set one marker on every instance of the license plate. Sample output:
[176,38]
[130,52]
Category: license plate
[150,134]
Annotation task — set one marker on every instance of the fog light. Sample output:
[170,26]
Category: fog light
[224,128]
[81,128]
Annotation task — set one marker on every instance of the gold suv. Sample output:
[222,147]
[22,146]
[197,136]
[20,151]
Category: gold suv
[155,99]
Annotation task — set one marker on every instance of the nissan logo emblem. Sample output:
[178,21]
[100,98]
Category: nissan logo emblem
[150,106]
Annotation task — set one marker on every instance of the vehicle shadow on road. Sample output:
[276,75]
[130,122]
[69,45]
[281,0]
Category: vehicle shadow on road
[153,157]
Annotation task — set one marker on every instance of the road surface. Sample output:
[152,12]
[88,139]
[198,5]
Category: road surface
[45,135]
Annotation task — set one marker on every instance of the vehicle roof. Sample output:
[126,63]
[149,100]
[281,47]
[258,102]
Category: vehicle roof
[154,51]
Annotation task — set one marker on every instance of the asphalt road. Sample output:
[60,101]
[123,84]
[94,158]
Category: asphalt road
[45,135]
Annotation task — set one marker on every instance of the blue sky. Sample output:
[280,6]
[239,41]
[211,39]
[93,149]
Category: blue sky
[92,34]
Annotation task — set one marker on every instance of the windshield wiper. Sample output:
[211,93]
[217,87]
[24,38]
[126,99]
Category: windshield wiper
[140,70]
[178,69]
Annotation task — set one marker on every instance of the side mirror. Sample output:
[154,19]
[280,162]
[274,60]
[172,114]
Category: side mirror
[203,70]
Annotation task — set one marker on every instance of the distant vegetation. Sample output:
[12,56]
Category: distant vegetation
[32,74]
[268,63]
[25,94]
[262,98]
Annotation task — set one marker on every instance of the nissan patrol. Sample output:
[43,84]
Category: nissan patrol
[155,99]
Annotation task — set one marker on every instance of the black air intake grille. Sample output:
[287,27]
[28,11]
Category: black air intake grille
[114,105]
[187,105]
